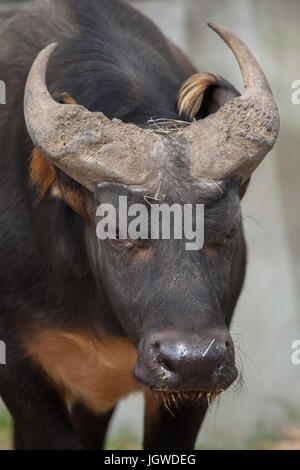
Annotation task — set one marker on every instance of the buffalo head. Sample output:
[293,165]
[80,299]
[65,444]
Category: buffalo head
[175,305]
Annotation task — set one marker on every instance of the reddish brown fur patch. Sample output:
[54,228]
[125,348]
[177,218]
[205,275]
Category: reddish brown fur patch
[42,173]
[144,253]
[192,92]
[76,199]
[44,178]
[95,372]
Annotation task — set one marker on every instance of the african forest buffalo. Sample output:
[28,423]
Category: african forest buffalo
[87,321]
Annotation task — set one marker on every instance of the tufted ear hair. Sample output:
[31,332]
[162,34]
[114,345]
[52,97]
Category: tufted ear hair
[203,94]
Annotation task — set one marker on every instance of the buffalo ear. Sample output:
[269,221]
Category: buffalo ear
[203,94]
[216,96]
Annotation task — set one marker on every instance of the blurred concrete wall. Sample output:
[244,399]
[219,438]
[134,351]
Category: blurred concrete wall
[267,318]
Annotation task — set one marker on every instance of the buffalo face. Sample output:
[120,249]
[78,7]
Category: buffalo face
[176,304]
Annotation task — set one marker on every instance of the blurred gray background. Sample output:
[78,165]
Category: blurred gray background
[267,319]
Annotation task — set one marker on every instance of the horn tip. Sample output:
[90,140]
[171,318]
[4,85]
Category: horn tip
[215,27]
[51,47]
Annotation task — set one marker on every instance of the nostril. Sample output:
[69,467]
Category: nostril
[160,358]
[219,369]
[227,344]
[164,362]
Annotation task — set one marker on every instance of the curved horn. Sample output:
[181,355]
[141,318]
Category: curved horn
[252,73]
[234,140]
[87,146]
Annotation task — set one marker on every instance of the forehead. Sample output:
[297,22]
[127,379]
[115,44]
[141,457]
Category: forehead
[220,199]
[181,190]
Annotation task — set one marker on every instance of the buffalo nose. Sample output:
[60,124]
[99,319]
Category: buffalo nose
[187,362]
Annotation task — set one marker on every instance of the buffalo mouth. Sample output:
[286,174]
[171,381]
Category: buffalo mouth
[177,399]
